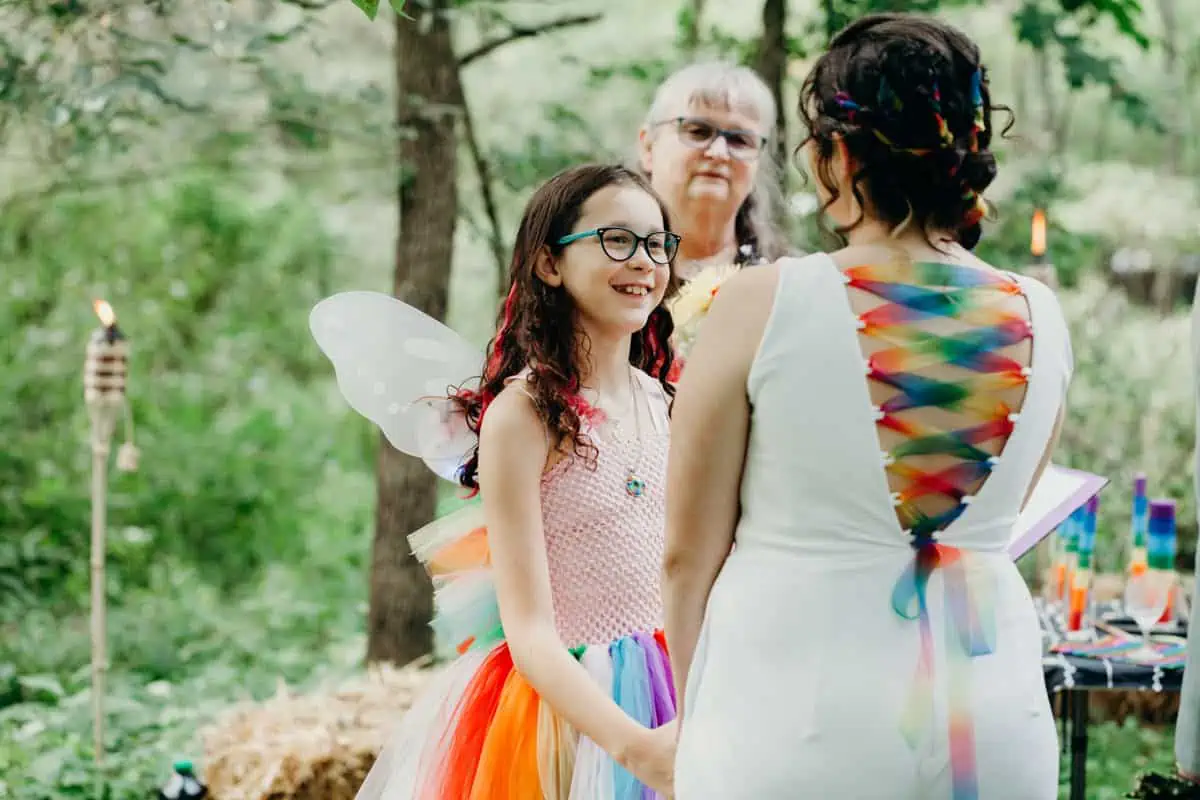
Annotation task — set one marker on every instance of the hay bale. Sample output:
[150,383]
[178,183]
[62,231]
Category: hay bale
[316,746]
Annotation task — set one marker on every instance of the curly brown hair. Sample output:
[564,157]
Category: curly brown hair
[909,97]
[536,327]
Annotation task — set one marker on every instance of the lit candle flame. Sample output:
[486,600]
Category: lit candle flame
[1037,234]
[105,312]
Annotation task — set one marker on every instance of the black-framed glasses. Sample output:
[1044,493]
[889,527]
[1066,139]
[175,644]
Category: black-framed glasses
[744,145]
[620,244]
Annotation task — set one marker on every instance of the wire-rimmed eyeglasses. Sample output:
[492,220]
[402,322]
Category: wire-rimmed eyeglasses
[744,145]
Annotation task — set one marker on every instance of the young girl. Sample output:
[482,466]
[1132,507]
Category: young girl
[570,696]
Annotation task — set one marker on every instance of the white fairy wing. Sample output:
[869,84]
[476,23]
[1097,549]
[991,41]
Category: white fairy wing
[396,365]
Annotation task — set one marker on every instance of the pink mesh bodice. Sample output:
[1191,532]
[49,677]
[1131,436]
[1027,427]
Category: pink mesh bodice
[605,546]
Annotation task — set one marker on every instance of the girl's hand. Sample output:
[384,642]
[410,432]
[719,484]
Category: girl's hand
[650,757]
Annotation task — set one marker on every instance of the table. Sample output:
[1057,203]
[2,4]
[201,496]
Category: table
[1071,677]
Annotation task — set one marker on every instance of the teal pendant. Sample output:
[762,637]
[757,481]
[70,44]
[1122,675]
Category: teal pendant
[635,486]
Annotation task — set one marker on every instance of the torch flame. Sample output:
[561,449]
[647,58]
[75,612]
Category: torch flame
[105,312]
[1037,234]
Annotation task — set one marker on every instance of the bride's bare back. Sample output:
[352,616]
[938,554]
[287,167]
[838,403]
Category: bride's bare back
[948,350]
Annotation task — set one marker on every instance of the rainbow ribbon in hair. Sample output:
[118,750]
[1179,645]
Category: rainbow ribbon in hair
[943,129]
[888,101]
[978,126]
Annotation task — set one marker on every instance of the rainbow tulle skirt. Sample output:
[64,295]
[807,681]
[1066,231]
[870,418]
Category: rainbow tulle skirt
[481,732]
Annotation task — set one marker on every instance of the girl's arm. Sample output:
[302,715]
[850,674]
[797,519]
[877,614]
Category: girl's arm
[710,423]
[512,457]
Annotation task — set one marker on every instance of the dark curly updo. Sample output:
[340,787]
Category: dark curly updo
[909,97]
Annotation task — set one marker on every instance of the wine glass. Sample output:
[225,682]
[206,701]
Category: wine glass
[1146,598]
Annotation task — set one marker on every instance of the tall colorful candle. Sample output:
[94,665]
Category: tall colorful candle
[1160,549]
[1138,525]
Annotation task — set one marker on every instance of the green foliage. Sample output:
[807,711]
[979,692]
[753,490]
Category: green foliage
[1006,238]
[236,555]
[182,646]
[1130,409]
[371,7]
[1117,752]
[837,14]
[101,74]
[182,652]
[1124,14]
[213,293]
[523,165]
[1064,27]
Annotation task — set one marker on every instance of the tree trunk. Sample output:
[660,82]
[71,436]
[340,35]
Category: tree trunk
[427,93]
[772,66]
[692,14]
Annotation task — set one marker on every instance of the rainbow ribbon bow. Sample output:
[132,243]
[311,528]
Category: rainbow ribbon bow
[970,628]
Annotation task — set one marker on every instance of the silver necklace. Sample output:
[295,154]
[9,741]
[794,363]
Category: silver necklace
[635,486]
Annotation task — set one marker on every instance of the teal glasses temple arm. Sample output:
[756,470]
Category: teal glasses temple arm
[574,237]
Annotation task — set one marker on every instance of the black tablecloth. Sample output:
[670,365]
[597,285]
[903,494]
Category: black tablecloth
[1063,672]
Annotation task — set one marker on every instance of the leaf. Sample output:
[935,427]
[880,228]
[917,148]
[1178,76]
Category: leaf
[42,688]
[188,42]
[398,7]
[1034,26]
[369,7]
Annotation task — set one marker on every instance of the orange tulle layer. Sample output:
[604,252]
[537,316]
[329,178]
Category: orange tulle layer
[503,742]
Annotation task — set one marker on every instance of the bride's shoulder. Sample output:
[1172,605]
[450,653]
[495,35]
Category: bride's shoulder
[744,296]
[757,285]
[795,268]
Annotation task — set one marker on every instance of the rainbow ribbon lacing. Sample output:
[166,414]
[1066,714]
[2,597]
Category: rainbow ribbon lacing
[912,293]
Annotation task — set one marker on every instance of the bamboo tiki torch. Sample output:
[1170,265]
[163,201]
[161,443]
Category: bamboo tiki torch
[104,375]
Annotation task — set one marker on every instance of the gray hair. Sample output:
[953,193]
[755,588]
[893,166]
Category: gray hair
[730,86]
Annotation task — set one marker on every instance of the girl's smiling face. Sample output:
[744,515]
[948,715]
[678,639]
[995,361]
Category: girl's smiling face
[614,291]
